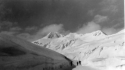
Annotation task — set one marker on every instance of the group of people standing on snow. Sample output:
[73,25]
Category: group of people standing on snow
[76,63]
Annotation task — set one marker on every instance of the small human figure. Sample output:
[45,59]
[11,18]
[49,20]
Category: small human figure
[80,62]
[77,63]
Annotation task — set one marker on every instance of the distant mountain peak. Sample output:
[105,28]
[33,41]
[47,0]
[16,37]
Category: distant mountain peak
[98,33]
[52,35]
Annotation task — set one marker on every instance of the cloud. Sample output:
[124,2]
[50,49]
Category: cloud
[117,25]
[31,29]
[96,24]
[91,12]
[92,25]
[5,25]
[43,31]
[110,31]
[26,36]
[15,29]
[51,28]
[11,31]
[32,15]
[100,18]
[7,32]
[111,6]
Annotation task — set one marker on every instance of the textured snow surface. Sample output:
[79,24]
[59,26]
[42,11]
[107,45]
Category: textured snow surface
[104,52]
[18,54]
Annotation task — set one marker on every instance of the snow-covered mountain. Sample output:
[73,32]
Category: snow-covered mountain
[18,54]
[70,40]
[93,49]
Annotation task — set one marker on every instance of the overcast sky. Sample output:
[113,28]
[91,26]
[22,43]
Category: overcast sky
[32,19]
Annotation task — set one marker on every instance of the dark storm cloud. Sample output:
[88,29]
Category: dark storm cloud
[33,16]
[21,11]
[112,14]
[114,9]
[45,12]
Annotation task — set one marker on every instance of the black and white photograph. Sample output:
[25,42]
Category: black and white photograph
[62,35]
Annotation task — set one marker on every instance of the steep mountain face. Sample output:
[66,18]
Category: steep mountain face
[18,54]
[93,49]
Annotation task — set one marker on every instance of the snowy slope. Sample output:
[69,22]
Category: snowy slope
[103,53]
[18,54]
[107,53]
[93,49]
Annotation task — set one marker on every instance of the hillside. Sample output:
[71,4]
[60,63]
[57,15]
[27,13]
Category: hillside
[18,54]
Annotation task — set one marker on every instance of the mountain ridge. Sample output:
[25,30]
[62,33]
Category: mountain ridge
[91,48]
[72,37]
